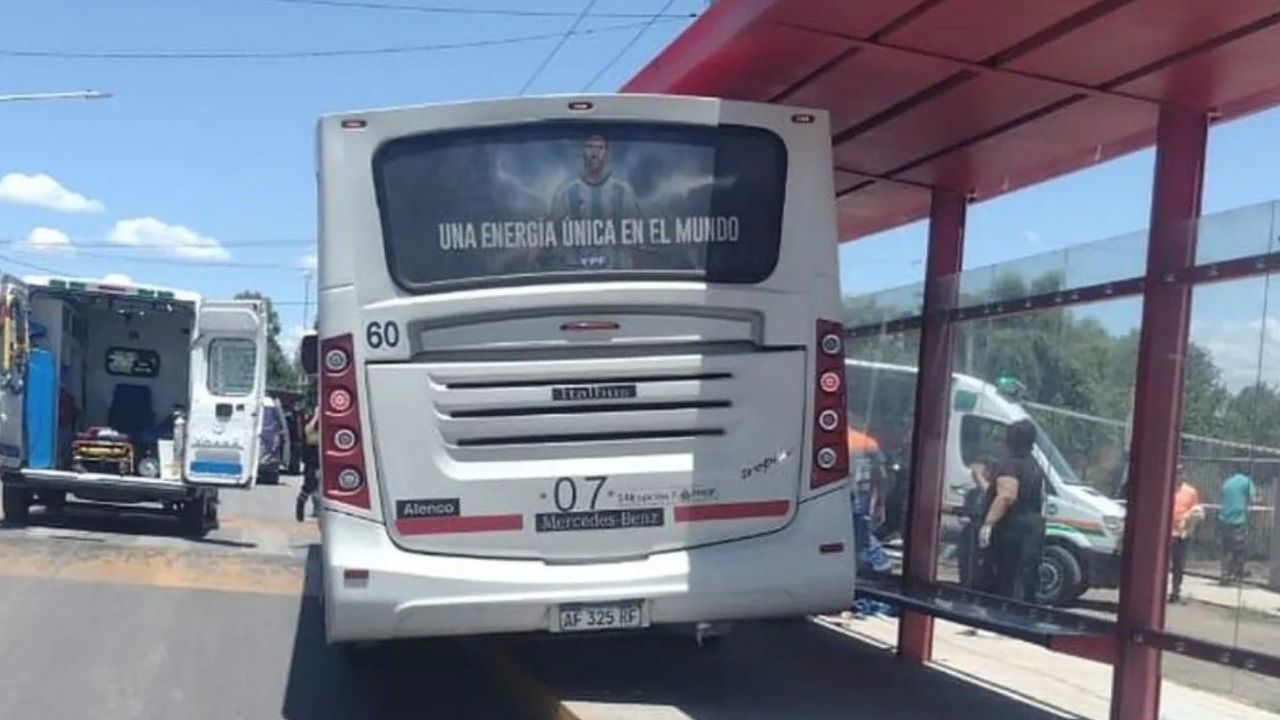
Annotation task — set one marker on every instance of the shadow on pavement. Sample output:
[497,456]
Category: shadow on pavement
[761,671]
[118,520]
[418,679]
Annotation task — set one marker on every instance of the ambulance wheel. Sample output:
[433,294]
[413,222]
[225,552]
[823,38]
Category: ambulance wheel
[192,517]
[211,512]
[1060,576]
[17,504]
[269,477]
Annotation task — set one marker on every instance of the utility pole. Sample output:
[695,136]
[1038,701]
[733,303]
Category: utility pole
[306,300]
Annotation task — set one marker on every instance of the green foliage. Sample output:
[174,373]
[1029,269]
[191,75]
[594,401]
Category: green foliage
[281,373]
[1073,363]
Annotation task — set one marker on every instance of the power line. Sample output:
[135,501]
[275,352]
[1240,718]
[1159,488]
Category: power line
[190,262]
[181,262]
[629,44]
[564,37]
[107,244]
[313,54]
[30,266]
[454,10]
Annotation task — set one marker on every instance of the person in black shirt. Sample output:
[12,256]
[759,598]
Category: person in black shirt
[1014,527]
[974,566]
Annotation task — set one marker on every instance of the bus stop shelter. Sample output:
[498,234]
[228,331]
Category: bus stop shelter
[936,103]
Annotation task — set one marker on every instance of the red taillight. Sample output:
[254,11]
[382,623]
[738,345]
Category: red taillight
[830,455]
[343,476]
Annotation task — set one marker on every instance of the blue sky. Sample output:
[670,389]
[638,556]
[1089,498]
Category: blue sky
[213,159]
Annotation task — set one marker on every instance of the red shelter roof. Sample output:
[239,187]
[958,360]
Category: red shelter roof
[983,96]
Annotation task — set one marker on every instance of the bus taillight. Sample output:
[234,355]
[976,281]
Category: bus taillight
[343,476]
[830,446]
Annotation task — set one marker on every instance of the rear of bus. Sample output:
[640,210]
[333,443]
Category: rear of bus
[579,367]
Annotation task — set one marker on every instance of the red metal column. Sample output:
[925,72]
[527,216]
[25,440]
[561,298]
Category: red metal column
[933,383]
[1157,410]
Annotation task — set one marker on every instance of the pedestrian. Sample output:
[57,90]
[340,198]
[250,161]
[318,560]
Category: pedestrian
[868,468]
[898,497]
[1238,494]
[974,567]
[1186,512]
[1014,527]
[310,469]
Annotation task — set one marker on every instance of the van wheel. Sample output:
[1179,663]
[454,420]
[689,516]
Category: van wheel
[17,504]
[1061,578]
[192,516]
[269,477]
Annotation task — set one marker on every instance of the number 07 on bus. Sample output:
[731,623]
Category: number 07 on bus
[579,366]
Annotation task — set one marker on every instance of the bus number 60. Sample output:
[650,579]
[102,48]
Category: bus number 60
[378,334]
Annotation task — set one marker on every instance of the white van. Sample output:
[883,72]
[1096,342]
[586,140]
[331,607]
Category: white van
[1084,527]
[125,393]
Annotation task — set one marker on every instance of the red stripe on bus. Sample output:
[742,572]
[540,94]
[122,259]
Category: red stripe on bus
[459,524]
[732,511]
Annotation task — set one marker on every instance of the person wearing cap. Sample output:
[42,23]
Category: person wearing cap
[1186,513]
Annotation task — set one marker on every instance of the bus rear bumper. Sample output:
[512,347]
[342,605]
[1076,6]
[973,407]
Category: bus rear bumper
[377,591]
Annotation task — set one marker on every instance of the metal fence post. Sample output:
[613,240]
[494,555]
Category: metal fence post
[933,401]
[1162,347]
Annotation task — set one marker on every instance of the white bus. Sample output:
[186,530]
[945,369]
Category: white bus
[579,367]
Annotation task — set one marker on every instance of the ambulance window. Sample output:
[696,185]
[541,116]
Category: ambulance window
[981,438]
[133,362]
[232,366]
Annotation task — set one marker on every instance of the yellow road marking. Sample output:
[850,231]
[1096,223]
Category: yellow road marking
[155,567]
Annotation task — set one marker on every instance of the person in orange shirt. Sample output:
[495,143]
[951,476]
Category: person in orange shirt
[1186,512]
[867,466]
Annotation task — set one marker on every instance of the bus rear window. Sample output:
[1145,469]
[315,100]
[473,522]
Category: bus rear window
[569,200]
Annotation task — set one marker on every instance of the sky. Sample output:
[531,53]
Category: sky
[199,173]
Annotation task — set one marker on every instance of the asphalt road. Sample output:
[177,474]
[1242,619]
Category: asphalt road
[112,616]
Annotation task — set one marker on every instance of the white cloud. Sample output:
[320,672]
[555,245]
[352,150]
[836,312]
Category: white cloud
[174,240]
[43,191]
[308,262]
[117,279]
[47,239]
[1237,348]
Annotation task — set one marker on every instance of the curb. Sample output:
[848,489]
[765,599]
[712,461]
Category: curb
[529,693]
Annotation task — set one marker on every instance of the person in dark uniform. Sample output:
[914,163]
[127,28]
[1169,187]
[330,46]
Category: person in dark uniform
[974,565]
[310,469]
[1014,527]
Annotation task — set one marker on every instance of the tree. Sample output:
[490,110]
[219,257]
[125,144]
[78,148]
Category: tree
[280,371]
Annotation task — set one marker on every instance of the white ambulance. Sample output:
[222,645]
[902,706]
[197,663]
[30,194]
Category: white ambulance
[123,393]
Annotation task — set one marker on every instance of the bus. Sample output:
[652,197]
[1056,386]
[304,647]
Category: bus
[579,367]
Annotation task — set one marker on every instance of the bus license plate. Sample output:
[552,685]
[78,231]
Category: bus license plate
[585,617]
